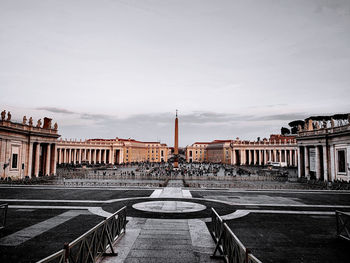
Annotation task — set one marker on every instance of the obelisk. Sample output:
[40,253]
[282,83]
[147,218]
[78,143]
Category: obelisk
[176,143]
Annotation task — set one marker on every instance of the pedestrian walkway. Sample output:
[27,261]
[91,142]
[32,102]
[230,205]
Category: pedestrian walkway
[165,240]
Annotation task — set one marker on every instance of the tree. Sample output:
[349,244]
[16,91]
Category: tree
[285,131]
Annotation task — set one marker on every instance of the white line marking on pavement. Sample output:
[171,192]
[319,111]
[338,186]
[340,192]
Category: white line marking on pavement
[290,212]
[52,201]
[99,211]
[236,214]
[156,193]
[28,233]
[200,236]
[96,210]
[186,194]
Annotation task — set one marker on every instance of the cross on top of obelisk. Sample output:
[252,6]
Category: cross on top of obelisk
[176,113]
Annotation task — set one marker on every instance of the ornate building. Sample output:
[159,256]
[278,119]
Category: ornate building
[324,148]
[27,149]
[237,152]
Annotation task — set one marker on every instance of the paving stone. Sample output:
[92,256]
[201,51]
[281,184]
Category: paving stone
[155,253]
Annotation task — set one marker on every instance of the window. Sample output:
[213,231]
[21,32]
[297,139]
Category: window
[14,160]
[341,161]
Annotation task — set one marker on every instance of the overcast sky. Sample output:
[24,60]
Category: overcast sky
[120,68]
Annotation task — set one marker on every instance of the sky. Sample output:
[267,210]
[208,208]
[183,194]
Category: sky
[120,68]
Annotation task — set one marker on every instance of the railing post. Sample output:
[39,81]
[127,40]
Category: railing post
[66,252]
[337,221]
[247,252]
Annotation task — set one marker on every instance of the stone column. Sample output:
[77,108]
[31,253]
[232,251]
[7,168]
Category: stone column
[75,152]
[105,156]
[89,156]
[306,162]
[250,157]
[37,160]
[47,160]
[69,155]
[53,159]
[291,157]
[318,162]
[242,156]
[234,157]
[255,157]
[260,157]
[264,156]
[332,161]
[100,156]
[121,156]
[325,163]
[111,156]
[285,156]
[59,152]
[95,153]
[30,160]
[63,155]
[275,155]
[79,155]
[300,166]
[296,154]
[2,153]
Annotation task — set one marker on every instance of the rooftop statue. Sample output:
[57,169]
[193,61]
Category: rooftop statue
[24,120]
[3,115]
[55,126]
[317,126]
[324,124]
[9,116]
[38,123]
[30,123]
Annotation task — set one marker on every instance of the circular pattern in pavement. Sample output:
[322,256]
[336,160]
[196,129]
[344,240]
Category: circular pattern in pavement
[220,207]
[169,206]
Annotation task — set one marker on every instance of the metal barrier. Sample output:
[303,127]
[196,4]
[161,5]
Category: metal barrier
[343,225]
[3,215]
[94,243]
[227,243]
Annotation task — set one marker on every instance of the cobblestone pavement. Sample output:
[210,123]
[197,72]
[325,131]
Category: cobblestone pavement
[278,225]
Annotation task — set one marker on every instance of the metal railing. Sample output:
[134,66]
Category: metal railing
[3,215]
[227,243]
[89,247]
[343,225]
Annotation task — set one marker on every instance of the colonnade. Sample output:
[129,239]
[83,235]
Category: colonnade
[42,159]
[89,155]
[263,156]
[314,161]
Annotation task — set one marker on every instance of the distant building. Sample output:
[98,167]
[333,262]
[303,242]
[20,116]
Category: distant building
[324,148]
[27,149]
[278,148]
[111,151]
[197,152]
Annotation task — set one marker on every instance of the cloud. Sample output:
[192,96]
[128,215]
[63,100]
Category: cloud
[284,117]
[56,110]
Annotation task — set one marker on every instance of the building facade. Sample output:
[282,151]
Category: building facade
[197,152]
[324,150]
[27,149]
[110,151]
[239,152]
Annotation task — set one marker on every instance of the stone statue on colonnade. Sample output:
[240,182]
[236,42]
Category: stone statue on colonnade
[3,115]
